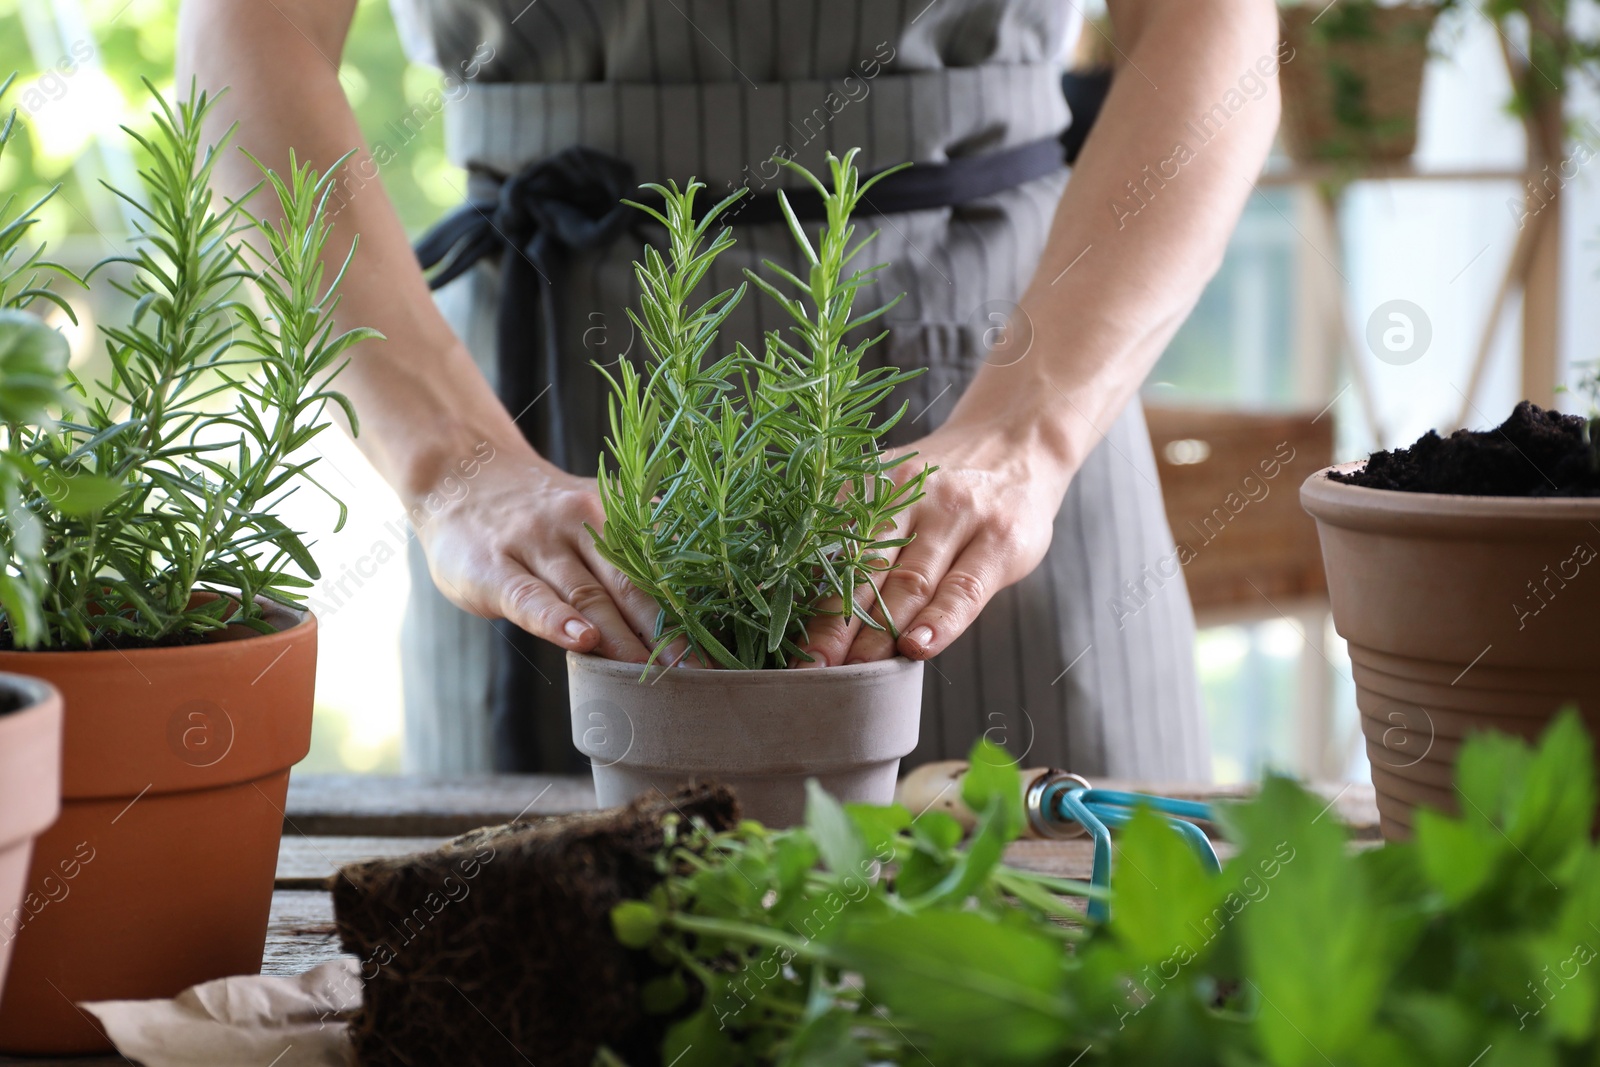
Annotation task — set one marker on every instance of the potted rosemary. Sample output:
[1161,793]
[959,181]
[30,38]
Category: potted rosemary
[168,616]
[742,490]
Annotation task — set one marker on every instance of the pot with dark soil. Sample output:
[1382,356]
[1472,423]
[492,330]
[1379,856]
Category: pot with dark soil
[740,492]
[1463,573]
[148,578]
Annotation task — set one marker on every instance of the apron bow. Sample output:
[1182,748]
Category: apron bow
[570,202]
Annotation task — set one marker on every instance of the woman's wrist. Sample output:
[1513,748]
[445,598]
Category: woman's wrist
[1012,418]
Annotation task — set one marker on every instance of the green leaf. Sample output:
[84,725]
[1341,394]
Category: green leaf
[937,830]
[1318,949]
[698,1041]
[663,995]
[825,1041]
[839,842]
[1458,857]
[635,923]
[992,775]
[76,494]
[22,609]
[1165,907]
[879,825]
[33,358]
[782,604]
[993,993]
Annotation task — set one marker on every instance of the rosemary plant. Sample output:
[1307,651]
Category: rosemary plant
[746,489]
[200,426]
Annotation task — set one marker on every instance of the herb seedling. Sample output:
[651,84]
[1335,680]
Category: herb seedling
[745,489]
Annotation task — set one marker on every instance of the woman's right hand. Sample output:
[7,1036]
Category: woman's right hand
[511,543]
[513,546]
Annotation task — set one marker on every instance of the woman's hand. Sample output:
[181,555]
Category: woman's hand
[984,523]
[514,547]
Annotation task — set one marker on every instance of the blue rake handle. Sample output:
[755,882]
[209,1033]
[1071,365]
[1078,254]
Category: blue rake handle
[1099,809]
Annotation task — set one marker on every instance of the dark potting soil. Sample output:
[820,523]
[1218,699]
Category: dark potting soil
[10,701]
[1533,453]
[497,948]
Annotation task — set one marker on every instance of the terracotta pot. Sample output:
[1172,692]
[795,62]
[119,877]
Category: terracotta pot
[30,794]
[1463,614]
[762,732]
[176,764]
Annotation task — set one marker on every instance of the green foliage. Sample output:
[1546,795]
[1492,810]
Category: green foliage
[765,939]
[33,367]
[744,489]
[1474,944]
[1556,42]
[137,40]
[172,474]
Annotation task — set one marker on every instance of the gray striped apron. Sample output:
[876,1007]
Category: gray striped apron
[711,89]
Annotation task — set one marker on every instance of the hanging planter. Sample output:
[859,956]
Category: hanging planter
[1464,573]
[740,491]
[1353,81]
[149,579]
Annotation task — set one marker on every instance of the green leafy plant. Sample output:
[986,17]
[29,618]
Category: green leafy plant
[869,936]
[33,367]
[760,931]
[219,380]
[743,488]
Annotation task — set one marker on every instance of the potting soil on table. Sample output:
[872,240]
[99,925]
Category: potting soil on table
[498,947]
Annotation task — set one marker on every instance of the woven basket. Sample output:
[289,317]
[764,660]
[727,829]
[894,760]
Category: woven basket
[1352,84]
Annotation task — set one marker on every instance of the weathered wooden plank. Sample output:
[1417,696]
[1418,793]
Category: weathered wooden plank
[405,806]
[300,932]
[414,806]
[312,862]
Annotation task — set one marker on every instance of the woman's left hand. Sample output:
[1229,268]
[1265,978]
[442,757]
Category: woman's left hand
[984,523]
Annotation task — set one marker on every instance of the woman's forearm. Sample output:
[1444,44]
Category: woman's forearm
[1144,221]
[423,405]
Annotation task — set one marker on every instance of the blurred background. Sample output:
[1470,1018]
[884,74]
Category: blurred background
[1278,349]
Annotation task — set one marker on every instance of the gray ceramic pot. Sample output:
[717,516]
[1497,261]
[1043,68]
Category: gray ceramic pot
[761,732]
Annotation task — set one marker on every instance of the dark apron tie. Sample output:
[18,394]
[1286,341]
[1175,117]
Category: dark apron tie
[569,203]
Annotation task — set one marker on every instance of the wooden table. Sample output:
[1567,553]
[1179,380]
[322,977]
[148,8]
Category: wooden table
[332,820]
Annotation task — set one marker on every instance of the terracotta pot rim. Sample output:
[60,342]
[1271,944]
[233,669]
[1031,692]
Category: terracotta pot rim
[717,677]
[1338,502]
[35,690]
[302,617]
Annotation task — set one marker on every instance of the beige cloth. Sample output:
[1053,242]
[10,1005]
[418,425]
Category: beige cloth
[253,1020]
